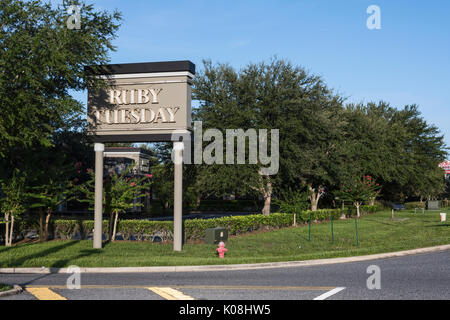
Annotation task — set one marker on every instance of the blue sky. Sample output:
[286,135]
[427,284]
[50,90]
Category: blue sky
[407,61]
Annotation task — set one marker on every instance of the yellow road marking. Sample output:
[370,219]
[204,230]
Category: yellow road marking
[170,294]
[45,294]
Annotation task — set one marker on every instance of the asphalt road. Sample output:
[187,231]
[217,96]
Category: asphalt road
[421,277]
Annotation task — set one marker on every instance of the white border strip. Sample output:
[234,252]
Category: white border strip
[146,75]
[329,293]
[144,130]
[154,82]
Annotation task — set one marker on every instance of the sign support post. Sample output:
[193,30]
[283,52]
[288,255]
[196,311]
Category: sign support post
[178,196]
[98,208]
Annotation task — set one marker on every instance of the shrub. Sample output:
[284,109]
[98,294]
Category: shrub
[364,209]
[145,230]
[370,209]
[21,228]
[230,205]
[413,205]
[293,201]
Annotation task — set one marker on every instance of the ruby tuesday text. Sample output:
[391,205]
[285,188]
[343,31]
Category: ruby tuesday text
[152,112]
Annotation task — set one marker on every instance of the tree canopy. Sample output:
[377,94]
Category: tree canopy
[41,59]
[323,142]
[395,146]
[274,95]
[41,125]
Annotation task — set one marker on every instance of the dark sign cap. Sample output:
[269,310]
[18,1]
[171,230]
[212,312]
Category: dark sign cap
[145,67]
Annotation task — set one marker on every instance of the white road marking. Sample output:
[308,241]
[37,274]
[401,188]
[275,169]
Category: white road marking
[329,293]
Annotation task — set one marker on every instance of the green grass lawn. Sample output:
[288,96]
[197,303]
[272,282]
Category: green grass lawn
[5,287]
[377,233]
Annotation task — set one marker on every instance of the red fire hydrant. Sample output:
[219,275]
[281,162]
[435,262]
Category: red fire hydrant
[221,249]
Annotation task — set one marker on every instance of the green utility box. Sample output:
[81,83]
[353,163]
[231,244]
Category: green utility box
[215,235]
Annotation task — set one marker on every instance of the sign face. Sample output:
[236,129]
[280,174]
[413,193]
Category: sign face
[142,102]
[446,166]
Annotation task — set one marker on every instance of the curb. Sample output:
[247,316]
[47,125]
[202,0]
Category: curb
[17,289]
[231,267]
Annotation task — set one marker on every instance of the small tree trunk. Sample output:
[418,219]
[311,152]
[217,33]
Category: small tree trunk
[267,194]
[41,225]
[115,227]
[199,198]
[314,198]
[110,225]
[343,215]
[266,208]
[11,232]
[357,205]
[6,229]
[47,220]
[314,201]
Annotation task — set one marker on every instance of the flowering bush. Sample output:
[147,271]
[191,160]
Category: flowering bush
[359,191]
[119,194]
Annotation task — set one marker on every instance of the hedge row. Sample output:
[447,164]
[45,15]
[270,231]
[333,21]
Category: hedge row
[129,229]
[351,210]
[194,229]
[230,205]
[21,228]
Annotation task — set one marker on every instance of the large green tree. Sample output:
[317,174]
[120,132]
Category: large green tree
[395,146]
[423,151]
[41,60]
[273,95]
